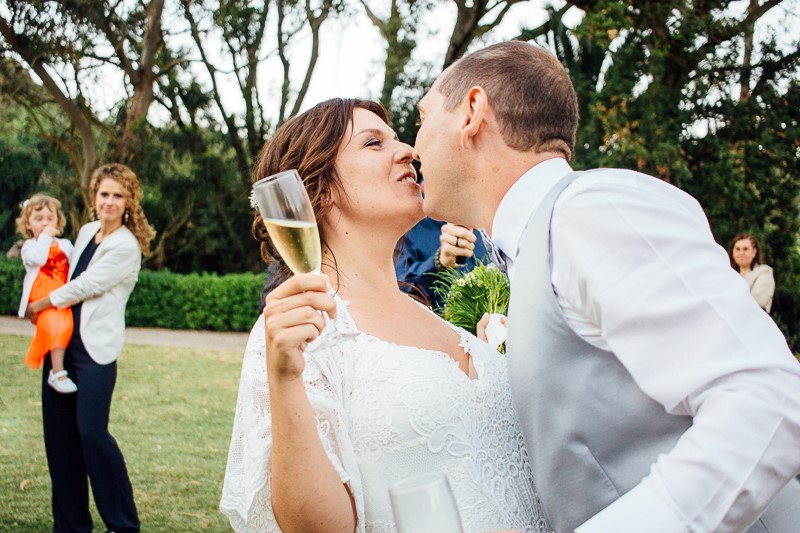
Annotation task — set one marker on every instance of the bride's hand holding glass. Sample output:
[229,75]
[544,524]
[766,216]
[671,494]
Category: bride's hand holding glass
[292,319]
[289,218]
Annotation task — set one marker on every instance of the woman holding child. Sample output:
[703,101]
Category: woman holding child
[320,435]
[103,271]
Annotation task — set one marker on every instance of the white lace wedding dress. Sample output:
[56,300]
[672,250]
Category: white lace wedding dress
[385,412]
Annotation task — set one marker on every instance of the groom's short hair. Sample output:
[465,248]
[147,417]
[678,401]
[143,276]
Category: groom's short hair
[530,91]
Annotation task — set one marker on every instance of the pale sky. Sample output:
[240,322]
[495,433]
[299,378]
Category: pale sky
[352,53]
[351,56]
[355,53]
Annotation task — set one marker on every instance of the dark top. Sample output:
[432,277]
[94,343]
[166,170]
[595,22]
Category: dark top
[274,279]
[80,268]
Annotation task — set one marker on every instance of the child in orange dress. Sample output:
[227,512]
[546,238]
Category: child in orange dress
[46,261]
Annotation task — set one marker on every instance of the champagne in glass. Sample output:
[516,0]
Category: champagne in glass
[298,243]
[290,221]
[425,504]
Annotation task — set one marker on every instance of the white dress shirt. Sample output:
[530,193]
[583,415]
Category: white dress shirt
[637,272]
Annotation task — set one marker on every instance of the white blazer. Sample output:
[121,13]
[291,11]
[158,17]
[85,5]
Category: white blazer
[104,289]
[34,254]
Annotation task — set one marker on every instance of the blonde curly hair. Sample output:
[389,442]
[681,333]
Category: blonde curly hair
[134,218]
[34,203]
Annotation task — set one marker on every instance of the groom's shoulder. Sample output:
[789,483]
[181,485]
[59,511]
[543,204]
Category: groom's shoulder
[613,178]
[605,192]
[603,184]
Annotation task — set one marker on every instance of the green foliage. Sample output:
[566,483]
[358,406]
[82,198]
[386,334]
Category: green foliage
[196,201]
[193,194]
[745,176]
[171,414]
[666,99]
[786,305]
[11,274]
[26,161]
[403,113]
[468,295]
[167,300]
[195,301]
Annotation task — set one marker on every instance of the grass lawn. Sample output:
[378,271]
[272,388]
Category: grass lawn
[171,415]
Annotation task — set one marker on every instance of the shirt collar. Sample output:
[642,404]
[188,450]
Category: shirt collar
[521,201]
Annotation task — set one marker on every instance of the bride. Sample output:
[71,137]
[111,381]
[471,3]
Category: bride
[320,435]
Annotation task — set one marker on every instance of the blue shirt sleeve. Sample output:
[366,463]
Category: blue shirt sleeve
[414,264]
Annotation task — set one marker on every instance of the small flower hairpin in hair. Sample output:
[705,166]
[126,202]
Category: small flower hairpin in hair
[253,203]
[25,203]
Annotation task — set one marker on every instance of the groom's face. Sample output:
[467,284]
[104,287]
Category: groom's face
[437,149]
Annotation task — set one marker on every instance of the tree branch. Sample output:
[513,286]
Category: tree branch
[372,16]
[315,22]
[79,118]
[233,132]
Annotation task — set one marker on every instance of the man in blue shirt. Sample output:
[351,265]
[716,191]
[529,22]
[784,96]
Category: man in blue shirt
[432,246]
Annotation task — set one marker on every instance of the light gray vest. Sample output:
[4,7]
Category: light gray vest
[592,434]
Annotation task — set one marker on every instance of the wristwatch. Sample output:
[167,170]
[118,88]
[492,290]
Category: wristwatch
[436,263]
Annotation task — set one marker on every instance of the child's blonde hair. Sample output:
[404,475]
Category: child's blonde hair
[34,203]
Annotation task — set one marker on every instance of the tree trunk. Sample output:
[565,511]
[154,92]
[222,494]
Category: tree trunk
[143,80]
[749,30]
[468,25]
[314,22]
[463,31]
[242,161]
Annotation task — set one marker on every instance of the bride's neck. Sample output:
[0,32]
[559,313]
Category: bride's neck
[360,263]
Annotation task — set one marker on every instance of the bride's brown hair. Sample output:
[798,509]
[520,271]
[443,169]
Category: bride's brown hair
[308,143]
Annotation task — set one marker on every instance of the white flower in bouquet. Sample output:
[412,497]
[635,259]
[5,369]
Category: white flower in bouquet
[468,295]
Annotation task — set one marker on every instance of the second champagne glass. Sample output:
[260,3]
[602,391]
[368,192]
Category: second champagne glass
[290,221]
[425,504]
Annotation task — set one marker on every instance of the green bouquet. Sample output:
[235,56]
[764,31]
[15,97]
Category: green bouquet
[468,295]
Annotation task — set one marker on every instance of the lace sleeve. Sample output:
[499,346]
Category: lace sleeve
[246,499]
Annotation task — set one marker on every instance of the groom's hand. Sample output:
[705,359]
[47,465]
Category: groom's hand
[455,242]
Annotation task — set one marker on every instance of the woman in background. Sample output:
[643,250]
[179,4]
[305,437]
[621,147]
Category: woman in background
[746,259]
[104,270]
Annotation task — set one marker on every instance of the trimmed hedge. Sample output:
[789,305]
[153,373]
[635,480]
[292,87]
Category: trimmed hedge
[168,300]
[11,274]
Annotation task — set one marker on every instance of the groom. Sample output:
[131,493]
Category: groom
[653,393]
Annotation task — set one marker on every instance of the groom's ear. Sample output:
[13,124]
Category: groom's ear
[476,107]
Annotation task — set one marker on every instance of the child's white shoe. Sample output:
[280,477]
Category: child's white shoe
[64,386]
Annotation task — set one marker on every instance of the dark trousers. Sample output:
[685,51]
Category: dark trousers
[79,446]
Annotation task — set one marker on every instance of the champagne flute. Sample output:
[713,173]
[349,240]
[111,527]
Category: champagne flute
[425,504]
[289,218]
